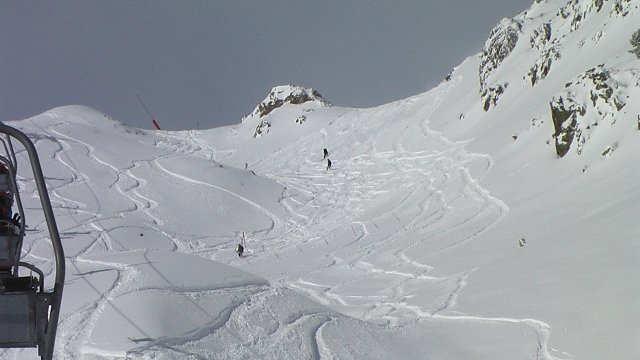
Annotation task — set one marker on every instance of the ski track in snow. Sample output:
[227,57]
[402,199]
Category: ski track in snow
[452,204]
[76,328]
[441,201]
[274,219]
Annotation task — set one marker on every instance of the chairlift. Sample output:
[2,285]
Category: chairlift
[28,311]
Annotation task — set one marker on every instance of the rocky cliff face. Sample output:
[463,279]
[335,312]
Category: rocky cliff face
[502,40]
[594,99]
[586,99]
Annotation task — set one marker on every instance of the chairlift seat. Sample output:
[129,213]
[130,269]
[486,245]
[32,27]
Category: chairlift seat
[24,309]
[18,317]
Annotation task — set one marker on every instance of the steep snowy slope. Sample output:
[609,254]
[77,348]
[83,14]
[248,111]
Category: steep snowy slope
[578,212]
[549,114]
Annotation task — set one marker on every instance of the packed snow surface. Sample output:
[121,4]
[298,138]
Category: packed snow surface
[442,230]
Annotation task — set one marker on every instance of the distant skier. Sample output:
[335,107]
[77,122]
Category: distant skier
[239,250]
[326,153]
[240,247]
[328,164]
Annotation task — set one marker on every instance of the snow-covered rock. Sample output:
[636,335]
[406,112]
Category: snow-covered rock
[281,96]
[593,99]
[542,66]
[502,40]
[287,94]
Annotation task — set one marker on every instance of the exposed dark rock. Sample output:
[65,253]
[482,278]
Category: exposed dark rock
[491,95]
[635,43]
[541,36]
[262,128]
[602,87]
[592,98]
[620,8]
[598,4]
[578,11]
[565,119]
[608,151]
[541,68]
[501,42]
[266,107]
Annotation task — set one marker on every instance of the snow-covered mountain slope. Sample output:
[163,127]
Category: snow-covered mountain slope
[492,217]
[142,213]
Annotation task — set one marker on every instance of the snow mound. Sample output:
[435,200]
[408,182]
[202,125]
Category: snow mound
[87,116]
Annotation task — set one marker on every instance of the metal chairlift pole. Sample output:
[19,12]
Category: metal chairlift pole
[13,154]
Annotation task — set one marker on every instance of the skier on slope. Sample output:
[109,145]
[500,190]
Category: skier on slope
[328,164]
[240,246]
[326,153]
[239,250]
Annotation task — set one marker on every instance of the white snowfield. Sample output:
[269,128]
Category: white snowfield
[441,231]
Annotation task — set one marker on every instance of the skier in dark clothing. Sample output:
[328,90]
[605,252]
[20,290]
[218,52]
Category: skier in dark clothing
[326,153]
[239,250]
[328,164]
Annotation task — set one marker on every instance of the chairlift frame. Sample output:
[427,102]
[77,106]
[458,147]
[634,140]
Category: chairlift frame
[28,312]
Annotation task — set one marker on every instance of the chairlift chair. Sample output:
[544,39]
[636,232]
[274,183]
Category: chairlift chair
[28,311]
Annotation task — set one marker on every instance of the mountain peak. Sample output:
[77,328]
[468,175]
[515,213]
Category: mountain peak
[290,94]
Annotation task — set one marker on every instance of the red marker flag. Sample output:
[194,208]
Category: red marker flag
[155,124]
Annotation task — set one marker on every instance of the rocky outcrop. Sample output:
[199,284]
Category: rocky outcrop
[502,40]
[262,128]
[578,11]
[491,95]
[565,113]
[287,94]
[621,8]
[279,97]
[592,99]
[542,66]
[301,119]
[541,36]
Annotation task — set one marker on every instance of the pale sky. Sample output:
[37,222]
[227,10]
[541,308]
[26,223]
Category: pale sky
[203,64]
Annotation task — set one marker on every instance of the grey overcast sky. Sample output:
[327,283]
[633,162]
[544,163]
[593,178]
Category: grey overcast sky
[203,64]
